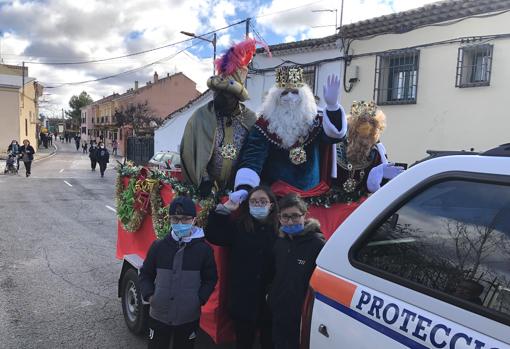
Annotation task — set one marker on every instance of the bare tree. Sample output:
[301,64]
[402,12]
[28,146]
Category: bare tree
[139,116]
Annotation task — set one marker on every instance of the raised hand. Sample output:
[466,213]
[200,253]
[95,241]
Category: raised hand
[331,91]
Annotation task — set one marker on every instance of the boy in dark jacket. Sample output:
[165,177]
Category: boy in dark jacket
[295,252]
[103,158]
[177,278]
[93,156]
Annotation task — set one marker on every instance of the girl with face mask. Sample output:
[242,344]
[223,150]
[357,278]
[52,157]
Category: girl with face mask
[250,233]
[299,242]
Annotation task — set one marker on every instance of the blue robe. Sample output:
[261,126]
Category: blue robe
[264,154]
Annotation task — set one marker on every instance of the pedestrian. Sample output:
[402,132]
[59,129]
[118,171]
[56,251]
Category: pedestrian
[93,156]
[27,156]
[115,145]
[14,148]
[84,147]
[103,158]
[50,140]
[250,237]
[177,277]
[300,241]
[77,142]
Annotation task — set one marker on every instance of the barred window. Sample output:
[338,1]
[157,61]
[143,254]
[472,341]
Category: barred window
[309,76]
[474,66]
[396,77]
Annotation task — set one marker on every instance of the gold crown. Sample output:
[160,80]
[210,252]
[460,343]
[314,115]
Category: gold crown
[363,109]
[289,77]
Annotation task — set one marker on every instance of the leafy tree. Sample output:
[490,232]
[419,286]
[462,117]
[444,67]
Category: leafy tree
[76,103]
[139,116]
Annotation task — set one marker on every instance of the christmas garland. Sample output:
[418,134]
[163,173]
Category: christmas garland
[334,196]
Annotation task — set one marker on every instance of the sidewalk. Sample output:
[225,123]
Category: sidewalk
[43,153]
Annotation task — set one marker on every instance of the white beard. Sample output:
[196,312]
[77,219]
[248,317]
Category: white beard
[293,121]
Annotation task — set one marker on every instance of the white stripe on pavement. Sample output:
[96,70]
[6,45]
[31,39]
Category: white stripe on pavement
[69,184]
[111,208]
[62,170]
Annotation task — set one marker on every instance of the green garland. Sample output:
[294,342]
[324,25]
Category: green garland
[334,196]
[130,218]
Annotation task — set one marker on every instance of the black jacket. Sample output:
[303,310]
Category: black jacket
[102,155]
[180,277]
[294,263]
[29,150]
[250,263]
[93,153]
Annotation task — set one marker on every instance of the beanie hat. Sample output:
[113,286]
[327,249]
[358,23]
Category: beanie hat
[182,205]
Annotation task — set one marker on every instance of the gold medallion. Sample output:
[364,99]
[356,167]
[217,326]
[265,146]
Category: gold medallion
[228,151]
[297,155]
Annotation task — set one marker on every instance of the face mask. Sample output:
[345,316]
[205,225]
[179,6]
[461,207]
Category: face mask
[182,230]
[290,99]
[293,229]
[102,146]
[259,212]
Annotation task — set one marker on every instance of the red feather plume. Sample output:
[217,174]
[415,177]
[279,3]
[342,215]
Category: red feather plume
[238,56]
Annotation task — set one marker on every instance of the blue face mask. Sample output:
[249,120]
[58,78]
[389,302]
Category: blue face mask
[182,230]
[293,229]
[259,212]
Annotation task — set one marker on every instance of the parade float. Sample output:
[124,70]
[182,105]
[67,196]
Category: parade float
[143,196]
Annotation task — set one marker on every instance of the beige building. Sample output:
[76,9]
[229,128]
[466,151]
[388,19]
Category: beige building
[440,73]
[19,108]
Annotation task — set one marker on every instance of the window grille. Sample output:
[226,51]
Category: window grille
[396,77]
[309,76]
[474,65]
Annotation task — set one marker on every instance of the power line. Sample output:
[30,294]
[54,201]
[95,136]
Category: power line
[57,85]
[289,9]
[136,53]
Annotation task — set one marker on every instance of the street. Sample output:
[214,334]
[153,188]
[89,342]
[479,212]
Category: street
[59,274]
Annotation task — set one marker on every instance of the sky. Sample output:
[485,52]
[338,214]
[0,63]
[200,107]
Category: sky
[39,32]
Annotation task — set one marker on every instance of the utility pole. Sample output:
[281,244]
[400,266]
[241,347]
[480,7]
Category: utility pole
[248,26]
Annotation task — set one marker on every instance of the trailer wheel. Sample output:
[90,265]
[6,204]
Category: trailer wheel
[135,313]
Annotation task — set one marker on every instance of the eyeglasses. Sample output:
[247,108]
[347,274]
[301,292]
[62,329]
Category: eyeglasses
[180,219]
[259,203]
[294,217]
[286,92]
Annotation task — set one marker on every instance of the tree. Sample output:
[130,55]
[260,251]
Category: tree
[139,116]
[76,103]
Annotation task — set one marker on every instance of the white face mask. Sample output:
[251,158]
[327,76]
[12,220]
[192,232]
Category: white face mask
[290,99]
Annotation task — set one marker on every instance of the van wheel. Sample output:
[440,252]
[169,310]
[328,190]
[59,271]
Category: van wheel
[135,313]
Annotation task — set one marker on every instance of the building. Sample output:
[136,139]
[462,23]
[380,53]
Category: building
[439,72]
[19,110]
[162,95]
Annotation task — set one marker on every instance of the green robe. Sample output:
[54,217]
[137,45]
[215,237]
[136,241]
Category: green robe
[198,142]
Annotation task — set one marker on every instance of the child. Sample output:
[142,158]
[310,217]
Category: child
[251,236]
[296,249]
[177,277]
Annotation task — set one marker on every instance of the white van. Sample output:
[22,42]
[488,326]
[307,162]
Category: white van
[422,263]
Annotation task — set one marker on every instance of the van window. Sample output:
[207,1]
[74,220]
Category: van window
[453,237]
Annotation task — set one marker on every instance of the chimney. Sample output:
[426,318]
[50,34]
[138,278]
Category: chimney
[155,76]
[136,85]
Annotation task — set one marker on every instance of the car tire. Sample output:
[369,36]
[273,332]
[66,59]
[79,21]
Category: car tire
[135,313]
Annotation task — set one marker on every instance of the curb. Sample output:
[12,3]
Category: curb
[53,153]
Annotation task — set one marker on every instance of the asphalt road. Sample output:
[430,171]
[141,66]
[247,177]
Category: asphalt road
[58,272]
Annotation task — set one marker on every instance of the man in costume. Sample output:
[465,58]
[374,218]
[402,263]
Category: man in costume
[362,162]
[215,133]
[289,145]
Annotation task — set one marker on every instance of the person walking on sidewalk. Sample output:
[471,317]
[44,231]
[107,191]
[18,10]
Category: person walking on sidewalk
[77,140]
[115,145]
[27,156]
[177,278]
[84,147]
[103,158]
[93,156]
[250,234]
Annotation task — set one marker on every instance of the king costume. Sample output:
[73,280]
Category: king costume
[289,147]
[216,132]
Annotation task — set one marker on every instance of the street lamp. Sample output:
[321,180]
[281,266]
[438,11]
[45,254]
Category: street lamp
[213,42]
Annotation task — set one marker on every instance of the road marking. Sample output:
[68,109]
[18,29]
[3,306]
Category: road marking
[111,208]
[62,170]
[69,184]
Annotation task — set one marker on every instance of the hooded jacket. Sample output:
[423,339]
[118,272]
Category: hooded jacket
[180,276]
[294,262]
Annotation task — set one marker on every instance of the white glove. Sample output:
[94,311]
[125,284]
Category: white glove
[331,92]
[391,171]
[238,196]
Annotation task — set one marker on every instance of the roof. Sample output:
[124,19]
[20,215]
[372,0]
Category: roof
[402,22]
[13,81]
[188,105]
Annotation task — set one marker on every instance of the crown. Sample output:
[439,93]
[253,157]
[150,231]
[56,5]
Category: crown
[289,77]
[363,109]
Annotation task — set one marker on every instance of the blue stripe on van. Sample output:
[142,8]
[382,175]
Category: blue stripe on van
[408,342]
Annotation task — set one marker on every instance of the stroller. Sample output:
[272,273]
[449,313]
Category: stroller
[11,164]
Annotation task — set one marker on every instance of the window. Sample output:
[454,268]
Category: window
[474,66]
[396,77]
[93,120]
[309,76]
[453,237]
[26,128]
[84,130]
